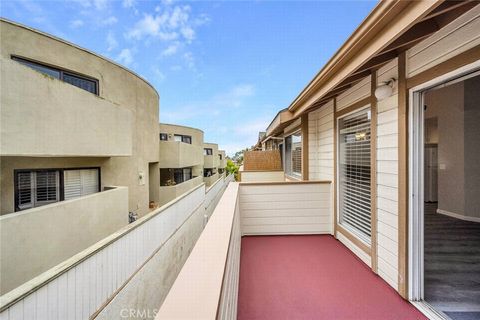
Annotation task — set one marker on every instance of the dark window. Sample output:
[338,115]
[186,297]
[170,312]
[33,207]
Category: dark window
[163,136]
[81,82]
[171,177]
[207,151]
[34,188]
[183,138]
[208,172]
[220,156]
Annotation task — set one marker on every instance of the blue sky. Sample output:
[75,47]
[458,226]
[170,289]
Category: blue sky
[224,67]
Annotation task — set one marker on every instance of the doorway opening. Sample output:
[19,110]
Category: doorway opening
[444,201]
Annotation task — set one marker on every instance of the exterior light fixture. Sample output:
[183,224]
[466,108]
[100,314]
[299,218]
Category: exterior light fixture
[385,89]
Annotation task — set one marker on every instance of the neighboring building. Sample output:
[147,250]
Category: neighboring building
[79,141]
[222,161]
[211,163]
[181,160]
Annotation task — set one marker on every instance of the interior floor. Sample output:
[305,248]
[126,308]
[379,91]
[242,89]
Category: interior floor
[452,264]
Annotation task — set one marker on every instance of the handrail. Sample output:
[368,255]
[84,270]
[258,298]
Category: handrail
[197,289]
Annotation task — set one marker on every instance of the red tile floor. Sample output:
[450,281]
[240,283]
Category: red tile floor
[312,277]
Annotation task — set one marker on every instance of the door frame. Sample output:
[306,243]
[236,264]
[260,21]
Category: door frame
[415,182]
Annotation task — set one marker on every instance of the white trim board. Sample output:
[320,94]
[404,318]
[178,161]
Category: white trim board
[458,216]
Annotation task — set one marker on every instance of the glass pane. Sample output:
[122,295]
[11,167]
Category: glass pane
[82,83]
[354,172]
[178,138]
[297,153]
[40,68]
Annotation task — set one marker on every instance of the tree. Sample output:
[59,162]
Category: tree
[232,168]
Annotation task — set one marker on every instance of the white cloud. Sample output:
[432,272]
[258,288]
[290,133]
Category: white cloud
[128,3]
[112,42]
[125,57]
[77,23]
[110,21]
[100,4]
[189,60]
[159,75]
[171,49]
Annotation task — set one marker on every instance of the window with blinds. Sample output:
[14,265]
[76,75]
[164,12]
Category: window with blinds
[293,154]
[80,182]
[354,194]
[36,188]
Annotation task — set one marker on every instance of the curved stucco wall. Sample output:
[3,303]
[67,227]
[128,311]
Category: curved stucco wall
[119,90]
[172,129]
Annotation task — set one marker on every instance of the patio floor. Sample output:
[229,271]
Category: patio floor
[312,277]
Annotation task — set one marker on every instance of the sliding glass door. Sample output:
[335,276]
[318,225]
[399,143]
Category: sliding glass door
[354,173]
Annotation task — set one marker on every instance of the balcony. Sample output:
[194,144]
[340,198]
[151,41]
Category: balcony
[211,180]
[210,161]
[175,154]
[168,193]
[53,233]
[287,265]
[43,116]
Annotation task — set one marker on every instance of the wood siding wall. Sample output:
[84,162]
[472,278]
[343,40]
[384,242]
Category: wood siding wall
[387,179]
[455,38]
[289,208]
[320,139]
[358,92]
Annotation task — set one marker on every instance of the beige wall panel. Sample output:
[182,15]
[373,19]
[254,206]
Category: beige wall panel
[356,93]
[321,143]
[455,38]
[286,209]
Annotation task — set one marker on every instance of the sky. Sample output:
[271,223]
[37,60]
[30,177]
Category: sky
[224,67]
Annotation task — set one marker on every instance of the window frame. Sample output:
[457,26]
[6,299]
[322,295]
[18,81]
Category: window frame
[206,151]
[61,72]
[183,137]
[365,239]
[289,169]
[60,184]
[165,135]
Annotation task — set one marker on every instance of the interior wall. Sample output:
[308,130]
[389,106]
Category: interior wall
[446,104]
[472,144]
[456,108]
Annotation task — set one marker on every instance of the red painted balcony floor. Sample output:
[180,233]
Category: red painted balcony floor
[312,277]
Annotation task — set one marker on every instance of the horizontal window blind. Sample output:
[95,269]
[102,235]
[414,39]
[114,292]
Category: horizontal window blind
[47,187]
[25,190]
[354,192]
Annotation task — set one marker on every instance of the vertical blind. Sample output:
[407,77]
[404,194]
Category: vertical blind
[79,183]
[354,173]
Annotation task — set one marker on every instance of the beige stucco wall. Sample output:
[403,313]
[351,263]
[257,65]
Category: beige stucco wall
[211,180]
[45,236]
[222,163]
[168,193]
[213,160]
[136,100]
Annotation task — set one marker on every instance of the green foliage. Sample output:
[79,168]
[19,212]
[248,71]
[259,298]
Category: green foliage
[232,168]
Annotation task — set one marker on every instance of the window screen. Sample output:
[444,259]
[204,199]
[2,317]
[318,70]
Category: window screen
[354,173]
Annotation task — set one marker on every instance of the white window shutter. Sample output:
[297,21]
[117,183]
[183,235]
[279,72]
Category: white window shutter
[80,182]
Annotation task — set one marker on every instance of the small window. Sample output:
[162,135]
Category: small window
[208,151]
[183,138]
[220,156]
[208,173]
[163,136]
[293,154]
[81,82]
[36,188]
